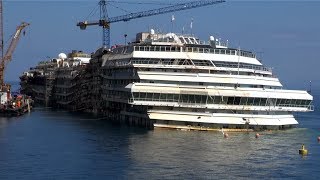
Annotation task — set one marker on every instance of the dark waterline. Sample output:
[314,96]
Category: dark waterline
[48,144]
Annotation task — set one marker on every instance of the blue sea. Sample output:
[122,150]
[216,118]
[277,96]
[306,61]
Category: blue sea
[48,144]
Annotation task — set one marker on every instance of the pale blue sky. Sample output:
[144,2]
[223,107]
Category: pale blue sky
[285,34]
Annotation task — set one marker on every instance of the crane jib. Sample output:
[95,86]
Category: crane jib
[105,21]
[17,34]
[173,8]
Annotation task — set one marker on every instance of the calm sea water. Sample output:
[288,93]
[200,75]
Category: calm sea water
[48,144]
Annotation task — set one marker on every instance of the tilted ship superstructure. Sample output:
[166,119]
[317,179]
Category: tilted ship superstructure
[178,81]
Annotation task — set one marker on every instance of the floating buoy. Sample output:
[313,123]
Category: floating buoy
[225,135]
[319,139]
[303,151]
[257,135]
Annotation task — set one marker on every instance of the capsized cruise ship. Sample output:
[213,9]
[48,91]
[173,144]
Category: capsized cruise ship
[171,81]
[179,81]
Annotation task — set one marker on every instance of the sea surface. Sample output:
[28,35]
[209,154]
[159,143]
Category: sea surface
[48,144]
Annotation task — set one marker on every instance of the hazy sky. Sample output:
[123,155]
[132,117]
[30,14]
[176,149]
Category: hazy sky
[285,34]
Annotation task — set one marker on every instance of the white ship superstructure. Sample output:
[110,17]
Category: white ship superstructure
[178,81]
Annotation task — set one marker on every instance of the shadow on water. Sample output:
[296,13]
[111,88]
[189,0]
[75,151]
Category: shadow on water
[61,145]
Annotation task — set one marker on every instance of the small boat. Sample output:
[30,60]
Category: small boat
[14,105]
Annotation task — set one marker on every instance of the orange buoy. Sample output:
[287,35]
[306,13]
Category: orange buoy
[257,135]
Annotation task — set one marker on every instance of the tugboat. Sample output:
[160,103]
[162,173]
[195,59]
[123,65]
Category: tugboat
[13,104]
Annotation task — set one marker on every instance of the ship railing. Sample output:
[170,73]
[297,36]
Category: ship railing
[204,63]
[196,50]
[202,103]
[309,107]
[243,66]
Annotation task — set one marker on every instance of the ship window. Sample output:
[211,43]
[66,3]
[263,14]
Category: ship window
[149,95]
[203,99]
[237,100]
[263,101]
[142,95]
[288,101]
[191,99]
[176,97]
[307,102]
[243,101]
[170,97]
[197,98]
[250,101]
[298,102]
[224,100]
[162,97]
[282,102]
[293,101]
[230,100]
[184,98]
[217,99]
[136,95]
[210,100]
[256,101]
[156,96]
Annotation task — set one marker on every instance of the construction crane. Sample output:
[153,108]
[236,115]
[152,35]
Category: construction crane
[105,22]
[1,30]
[8,55]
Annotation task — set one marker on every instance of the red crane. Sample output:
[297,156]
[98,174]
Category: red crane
[5,58]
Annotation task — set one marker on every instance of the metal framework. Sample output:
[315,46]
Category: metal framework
[8,55]
[105,21]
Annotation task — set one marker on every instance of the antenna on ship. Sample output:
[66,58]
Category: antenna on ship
[191,26]
[172,23]
[239,51]
[309,91]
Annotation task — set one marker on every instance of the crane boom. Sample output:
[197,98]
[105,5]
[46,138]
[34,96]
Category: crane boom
[105,22]
[1,30]
[164,10]
[8,55]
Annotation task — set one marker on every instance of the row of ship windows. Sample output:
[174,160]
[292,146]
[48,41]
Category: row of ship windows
[204,71]
[208,84]
[200,63]
[195,50]
[129,72]
[206,99]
